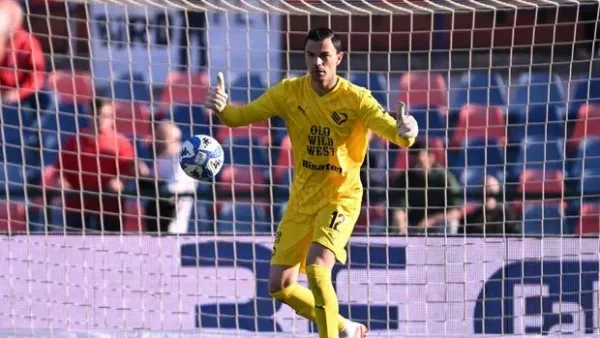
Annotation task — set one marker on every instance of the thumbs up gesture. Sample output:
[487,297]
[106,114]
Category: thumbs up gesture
[216,97]
[407,125]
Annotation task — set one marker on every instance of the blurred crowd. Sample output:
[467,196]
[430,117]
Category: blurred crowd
[110,164]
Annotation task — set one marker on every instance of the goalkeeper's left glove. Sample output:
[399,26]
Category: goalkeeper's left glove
[406,124]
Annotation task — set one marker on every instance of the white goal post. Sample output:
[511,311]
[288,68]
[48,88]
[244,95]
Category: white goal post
[490,226]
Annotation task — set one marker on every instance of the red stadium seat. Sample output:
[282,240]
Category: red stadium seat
[285,160]
[589,222]
[13,216]
[423,89]
[71,88]
[184,88]
[481,122]
[241,181]
[538,181]
[133,119]
[586,125]
[256,130]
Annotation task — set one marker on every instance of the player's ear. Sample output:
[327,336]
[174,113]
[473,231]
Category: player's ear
[340,56]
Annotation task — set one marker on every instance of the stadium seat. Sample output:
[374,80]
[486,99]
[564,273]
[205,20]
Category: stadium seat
[589,219]
[285,162]
[537,89]
[473,180]
[486,156]
[541,181]
[247,88]
[479,87]
[246,151]
[543,218]
[375,82]
[538,120]
[202,218]
[185,89]
[587,167]
[258,130]
[13,216]
[539,154]
[12,177]
[431,121]
[131,87]
[423,89]
[193,120]
[586,91]
[13,144]
[479,121]
[587,124]
[241,181]
[71,88]
[242,217]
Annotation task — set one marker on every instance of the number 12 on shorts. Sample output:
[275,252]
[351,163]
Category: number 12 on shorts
[337,218]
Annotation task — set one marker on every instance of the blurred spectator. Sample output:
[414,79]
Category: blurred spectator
[172,209]
[22,63]
[492,217]
[96,164]
[425,195]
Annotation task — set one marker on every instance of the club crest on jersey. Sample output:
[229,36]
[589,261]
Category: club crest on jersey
[339,118]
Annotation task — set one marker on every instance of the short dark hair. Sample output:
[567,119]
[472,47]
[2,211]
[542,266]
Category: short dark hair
[97,104]
[322,33]
[419,146]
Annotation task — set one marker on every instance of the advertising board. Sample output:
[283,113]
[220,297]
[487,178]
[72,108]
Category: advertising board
[408,286]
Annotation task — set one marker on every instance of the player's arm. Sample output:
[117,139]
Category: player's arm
[401,131]
[235,116]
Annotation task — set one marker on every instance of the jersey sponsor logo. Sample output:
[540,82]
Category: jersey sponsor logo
[321,167]
[320,142]
[339,118]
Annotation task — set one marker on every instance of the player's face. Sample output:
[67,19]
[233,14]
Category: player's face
[322,60]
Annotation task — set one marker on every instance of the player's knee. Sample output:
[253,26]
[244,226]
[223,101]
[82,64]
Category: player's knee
[278,282]
[320,255]
[278,285]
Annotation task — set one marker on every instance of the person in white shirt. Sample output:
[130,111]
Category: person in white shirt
[171,211]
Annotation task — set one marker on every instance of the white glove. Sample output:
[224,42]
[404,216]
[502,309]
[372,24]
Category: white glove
[407,125]
[216,97]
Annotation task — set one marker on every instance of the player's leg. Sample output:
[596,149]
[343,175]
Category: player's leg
[290,250]
[333,227]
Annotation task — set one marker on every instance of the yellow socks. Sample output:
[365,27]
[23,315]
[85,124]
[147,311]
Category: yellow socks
[302,301]
[326,302]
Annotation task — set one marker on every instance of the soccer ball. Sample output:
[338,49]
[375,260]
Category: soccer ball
[201,157]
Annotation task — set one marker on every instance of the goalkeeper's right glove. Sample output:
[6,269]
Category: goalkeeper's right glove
[216,97]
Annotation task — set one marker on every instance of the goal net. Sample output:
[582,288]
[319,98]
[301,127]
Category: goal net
[489,225]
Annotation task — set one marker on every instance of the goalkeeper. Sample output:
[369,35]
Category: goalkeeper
[328,120]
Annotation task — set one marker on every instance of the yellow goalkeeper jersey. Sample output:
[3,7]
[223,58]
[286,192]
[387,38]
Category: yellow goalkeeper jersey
[329,136]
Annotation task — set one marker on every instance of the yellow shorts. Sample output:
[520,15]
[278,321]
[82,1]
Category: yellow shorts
[330,227]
